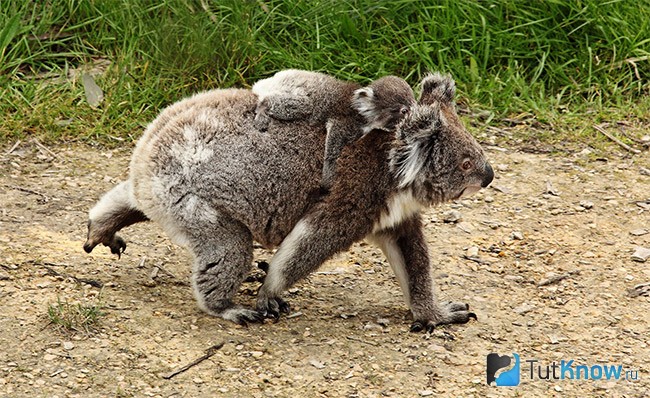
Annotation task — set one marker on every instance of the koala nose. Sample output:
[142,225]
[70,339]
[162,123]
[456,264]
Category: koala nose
[488,176]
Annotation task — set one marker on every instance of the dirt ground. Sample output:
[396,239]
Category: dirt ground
[551,281]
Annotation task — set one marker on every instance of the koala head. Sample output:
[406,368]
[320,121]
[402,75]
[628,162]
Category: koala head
[384,103]
[433,154]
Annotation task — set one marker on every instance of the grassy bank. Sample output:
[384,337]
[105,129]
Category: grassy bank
[542,59]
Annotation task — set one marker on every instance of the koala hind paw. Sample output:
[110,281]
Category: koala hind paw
[242,316]
[272,308]
[454,313]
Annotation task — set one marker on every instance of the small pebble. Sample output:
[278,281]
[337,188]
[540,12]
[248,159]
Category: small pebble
[472,251]
[67,345]
[517,235]
[641,254]
[317,364]
[586,204]
[452,216]
[426,393]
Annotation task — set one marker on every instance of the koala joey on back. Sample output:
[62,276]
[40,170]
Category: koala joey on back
[348,110]
[215,184]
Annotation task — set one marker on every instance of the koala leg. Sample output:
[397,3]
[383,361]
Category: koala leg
[114,211]
[340,132]
[406,251]
[310,244]
[223,252]
[282,106]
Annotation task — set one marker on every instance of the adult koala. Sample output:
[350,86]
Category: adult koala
[215,184]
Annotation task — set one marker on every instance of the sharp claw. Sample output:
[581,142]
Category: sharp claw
[285,308]
[270,314]
[416,327]
[472,315]
[430,328]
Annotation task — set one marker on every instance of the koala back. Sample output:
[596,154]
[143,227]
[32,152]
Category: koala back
[203,155]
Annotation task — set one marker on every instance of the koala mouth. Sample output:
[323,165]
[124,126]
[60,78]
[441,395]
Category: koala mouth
[469,190]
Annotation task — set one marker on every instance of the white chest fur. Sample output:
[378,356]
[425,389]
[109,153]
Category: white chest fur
[401,206]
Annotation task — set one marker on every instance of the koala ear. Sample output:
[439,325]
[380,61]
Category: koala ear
[363,101]
[437,87]
[421,123]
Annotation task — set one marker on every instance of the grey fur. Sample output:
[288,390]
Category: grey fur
[215,183]
[348,110]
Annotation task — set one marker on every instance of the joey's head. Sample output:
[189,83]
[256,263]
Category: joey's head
[384,103]
[433,154]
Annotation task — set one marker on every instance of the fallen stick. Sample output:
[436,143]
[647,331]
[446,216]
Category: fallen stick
[557,278]
[208,353]
[90,282]
[476,260]
[353,338]
[45,149]
[29,191]
[13,148]
[616,140]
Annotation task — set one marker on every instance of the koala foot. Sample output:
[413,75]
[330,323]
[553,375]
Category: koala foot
[116,244]
[272,307]
[242,316]
[452,313]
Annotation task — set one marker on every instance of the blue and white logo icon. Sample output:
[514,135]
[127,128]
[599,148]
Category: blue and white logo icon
[509,375]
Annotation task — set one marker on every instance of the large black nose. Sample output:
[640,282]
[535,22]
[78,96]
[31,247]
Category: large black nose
[488,176]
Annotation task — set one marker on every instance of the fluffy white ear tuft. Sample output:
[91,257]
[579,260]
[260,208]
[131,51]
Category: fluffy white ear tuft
[363,101]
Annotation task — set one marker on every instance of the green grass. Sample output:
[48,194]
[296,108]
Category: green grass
[544,58]
[68,317]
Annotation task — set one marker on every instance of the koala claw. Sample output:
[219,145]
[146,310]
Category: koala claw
[419,326]
[245,317]
[253,317]
[117,245]
[273,308]
[456,313]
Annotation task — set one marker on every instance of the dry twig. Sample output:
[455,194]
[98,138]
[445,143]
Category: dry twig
[208,353]
[623,145]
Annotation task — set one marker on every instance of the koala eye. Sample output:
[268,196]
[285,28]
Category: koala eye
[404,110]
[467,165]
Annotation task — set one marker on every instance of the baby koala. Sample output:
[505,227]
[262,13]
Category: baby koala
[348,110]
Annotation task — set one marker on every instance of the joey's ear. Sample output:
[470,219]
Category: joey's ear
[421,123]
[363,101]
[437,87]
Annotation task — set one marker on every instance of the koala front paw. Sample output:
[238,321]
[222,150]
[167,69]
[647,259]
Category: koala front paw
[117,246]
[451,313]
[115,243]
[261,120]
[272,307]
